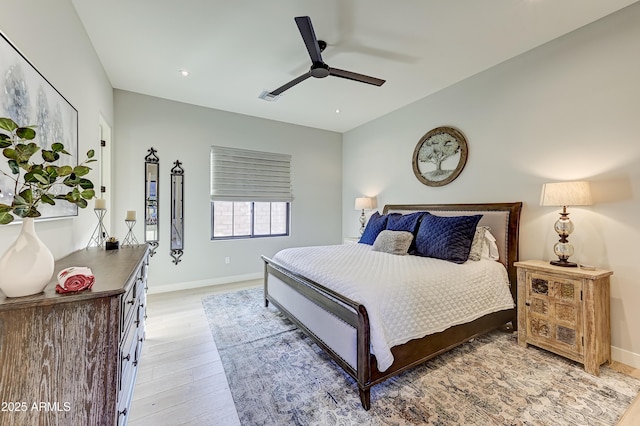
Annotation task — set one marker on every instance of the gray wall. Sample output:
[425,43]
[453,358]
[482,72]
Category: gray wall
[565,111]
[51,36]
[185,132]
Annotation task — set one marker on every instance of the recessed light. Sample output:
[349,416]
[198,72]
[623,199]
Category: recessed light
[183,73]
[337,111]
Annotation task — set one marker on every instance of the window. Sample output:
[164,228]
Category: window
[246,219]
[250,193]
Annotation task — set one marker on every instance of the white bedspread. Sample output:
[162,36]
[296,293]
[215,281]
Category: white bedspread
[406,297]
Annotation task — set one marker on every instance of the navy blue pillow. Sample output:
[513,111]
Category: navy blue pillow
[376,224]
[404,222]
[446,237]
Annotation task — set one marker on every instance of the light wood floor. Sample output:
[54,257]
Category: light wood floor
[181,380]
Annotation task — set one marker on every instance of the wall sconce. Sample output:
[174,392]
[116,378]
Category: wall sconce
[364,203]
[565,194]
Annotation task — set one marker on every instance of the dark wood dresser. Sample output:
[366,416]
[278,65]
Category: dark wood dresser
[72,359]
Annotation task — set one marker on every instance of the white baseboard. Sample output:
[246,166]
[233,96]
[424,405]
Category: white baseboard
[625,357]
[204,283]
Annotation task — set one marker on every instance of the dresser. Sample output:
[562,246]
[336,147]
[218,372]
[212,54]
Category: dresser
[72,359]
[565,310]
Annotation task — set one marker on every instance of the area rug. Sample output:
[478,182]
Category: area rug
[278,376]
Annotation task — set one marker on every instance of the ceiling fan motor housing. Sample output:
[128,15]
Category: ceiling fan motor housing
[319,70]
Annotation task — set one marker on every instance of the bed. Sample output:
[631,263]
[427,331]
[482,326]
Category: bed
[349,328]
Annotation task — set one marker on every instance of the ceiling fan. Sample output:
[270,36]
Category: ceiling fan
[318,68]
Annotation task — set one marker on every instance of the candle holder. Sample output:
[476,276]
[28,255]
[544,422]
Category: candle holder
[99,235]
[130,239]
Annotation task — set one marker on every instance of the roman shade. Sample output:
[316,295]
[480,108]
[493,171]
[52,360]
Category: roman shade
[245,175]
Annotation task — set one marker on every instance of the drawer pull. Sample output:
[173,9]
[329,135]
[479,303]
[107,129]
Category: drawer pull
[130,302]
[126,358]
[122,413]
[527,303]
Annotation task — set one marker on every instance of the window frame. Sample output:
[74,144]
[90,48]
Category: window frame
[252,234]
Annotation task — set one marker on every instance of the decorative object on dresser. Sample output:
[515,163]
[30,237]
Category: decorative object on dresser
[130,239]
[438,149]
[80,350]
[27,265]
[99,235]
[565,311]
[364,203]
[152,180]
[113,244]
[74,278]
[565,194]
[177,212]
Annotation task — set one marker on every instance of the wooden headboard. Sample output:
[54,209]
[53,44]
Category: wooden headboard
[502,218]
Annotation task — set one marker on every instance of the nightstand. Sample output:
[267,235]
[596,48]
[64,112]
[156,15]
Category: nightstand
[566,311]
[351,240]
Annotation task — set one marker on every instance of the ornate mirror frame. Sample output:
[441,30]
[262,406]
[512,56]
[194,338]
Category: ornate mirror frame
[177,212]
[151,191]
[437,152]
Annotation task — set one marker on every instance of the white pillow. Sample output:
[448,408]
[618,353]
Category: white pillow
[490,248]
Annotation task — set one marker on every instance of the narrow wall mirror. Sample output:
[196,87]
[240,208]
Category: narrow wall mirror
[151,176]
[177,210]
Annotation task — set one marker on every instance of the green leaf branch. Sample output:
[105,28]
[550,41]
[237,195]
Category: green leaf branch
[39,182]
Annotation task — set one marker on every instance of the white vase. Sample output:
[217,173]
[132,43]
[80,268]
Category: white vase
[27,266]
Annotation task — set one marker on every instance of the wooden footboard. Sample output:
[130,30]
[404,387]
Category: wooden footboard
[349,321]
[332,304]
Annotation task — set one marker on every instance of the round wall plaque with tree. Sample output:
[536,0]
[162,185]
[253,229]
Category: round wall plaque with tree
[440,156]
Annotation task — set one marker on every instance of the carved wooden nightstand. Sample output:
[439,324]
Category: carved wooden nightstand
[566,311]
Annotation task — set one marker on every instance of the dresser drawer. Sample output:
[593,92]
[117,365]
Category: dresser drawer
[128,372]
[128,307]
[127,352]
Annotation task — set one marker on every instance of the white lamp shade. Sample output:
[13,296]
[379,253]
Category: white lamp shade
[364,203]
[566,194]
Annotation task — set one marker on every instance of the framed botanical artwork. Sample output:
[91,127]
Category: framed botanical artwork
[440,156]
[29,99]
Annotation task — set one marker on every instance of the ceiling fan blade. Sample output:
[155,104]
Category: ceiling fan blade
[355,76]
[290,84]
[309,37]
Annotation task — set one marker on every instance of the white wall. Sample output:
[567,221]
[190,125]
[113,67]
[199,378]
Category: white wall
[185,132]
[52,38]
[565,111]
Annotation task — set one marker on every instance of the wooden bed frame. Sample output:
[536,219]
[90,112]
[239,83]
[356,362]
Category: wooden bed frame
[353,316]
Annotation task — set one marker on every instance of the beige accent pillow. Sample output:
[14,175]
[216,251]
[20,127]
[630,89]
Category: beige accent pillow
[393,242]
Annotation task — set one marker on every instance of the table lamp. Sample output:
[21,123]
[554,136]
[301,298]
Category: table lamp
[565,194]
[363,203]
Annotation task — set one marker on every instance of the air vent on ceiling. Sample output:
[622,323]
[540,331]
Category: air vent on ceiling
[267,96]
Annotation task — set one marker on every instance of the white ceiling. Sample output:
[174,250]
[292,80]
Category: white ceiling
[236,49]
